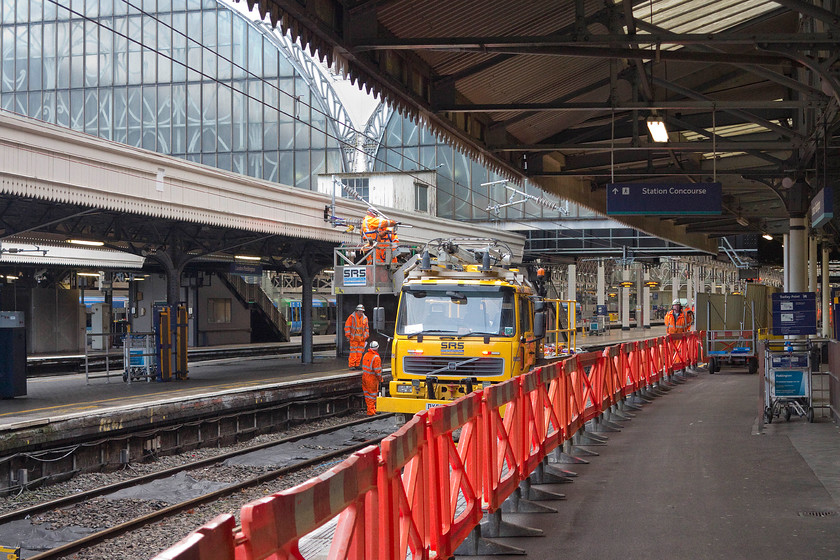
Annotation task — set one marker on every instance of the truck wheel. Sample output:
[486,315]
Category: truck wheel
[713,365]
[752,365]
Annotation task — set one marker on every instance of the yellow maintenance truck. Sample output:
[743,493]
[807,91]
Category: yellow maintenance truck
[464,321]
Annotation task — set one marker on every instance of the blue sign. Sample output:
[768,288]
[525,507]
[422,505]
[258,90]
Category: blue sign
[354,276]
[794,313]
[663,198]
[822,207]
[246,269]
[790,383]
[600,310]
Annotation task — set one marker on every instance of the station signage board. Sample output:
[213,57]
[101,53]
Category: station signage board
[663,199]
[822,207]
[246,269]
[794,313]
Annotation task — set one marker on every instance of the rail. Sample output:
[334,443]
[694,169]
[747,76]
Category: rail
[422,496]
[562,341]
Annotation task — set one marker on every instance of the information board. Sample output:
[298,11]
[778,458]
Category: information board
[794,313]
[663,198]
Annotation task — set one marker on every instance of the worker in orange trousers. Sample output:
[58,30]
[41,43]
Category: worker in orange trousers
[371,376]
[356,331]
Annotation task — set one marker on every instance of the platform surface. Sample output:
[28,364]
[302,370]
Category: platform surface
[692,476]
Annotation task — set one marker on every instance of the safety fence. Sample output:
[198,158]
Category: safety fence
[425,490]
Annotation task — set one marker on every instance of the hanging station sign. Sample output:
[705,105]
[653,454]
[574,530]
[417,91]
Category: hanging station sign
[663,198]
[822,207]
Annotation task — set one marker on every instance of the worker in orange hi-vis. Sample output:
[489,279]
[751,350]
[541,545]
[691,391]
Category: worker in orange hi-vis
[371,224]
[371,376]
[389,240]
[677,320]
[356,330]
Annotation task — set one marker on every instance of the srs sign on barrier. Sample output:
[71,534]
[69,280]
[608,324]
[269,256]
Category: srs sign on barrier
[663,198]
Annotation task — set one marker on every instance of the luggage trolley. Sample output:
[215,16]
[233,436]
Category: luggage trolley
[787,380]
[139,357]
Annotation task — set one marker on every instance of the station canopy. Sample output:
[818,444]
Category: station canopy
[562,93]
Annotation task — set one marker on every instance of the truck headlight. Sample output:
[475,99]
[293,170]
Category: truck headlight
[405,389]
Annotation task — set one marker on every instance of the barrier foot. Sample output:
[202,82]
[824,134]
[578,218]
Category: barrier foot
[546,474]
[690,371]
[515,503]
[664,386]
[627,405]
[492,526]
[536,494]
[601,426]
[620,416]
[563,458]
[586,438]
[655,392]
[585,452]
[475,545]
[639,399]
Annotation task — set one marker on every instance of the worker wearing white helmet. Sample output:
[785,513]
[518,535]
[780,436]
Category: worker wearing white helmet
[356,331]
[371,376]
[677,320]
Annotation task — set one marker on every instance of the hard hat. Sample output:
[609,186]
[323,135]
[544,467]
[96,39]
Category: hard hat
[676,302]
[360,307]
[374,345]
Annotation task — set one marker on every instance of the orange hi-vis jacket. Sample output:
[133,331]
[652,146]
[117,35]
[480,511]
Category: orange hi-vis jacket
[371,226]
[677,323]
[371,378]
[356,328]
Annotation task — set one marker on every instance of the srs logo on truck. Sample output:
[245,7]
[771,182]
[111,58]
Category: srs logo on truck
[451,347]
[355,276]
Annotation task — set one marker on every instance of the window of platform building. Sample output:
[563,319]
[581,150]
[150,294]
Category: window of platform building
[408,146]
[218,310]
[132,73]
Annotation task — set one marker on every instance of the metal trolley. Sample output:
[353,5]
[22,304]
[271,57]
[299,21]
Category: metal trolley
[787,380]
[139,357]
[731,345]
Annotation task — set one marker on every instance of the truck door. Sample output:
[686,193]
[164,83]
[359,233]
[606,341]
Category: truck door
[528,350]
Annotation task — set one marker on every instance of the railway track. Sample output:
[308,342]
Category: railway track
[346,438]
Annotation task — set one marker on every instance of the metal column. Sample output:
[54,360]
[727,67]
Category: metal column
[786,262]
[825,291]
[646,300]
[600,293]
[572,283]
[625,300]
[812,264]
[796,258]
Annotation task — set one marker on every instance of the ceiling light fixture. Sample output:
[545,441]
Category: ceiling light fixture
[247,258]
[86,242]
[742,221]
[656,126]
[768,237]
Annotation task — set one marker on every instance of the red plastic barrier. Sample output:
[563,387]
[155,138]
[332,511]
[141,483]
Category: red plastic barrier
[403,500]
[455,472]
[272,526]
[551,430]
[211,541]
[501,472]
[403,485]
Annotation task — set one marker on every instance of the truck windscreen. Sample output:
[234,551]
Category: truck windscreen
[457,311]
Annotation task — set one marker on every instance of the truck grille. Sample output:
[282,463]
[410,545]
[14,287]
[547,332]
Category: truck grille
[484,367]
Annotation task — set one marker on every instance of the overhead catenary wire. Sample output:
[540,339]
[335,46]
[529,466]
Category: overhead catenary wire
[297,102]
